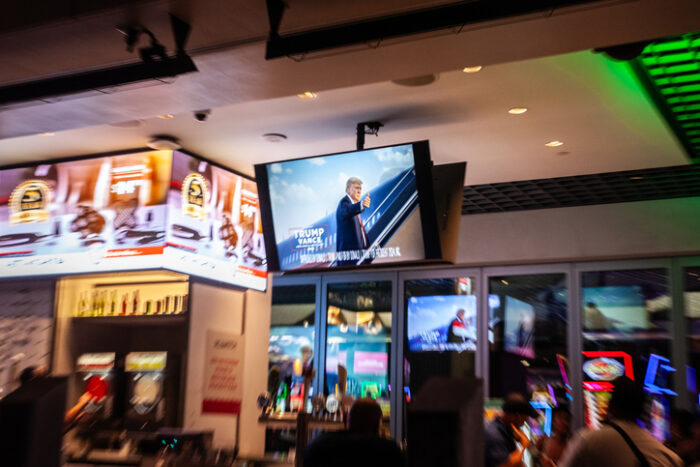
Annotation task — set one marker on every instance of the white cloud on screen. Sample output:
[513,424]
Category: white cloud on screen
[276,168]
[288,170]
[317,161]
[392,157]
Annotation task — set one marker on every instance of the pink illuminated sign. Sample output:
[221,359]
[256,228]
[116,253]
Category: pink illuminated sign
[370,363]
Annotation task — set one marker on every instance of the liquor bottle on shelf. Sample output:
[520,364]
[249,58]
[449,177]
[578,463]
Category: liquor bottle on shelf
[113,303]
[159,309]
[185,304]
[94,303]
[147,308]
[101,308]
[125,297]
[135,303]
[82,304]
[166,308]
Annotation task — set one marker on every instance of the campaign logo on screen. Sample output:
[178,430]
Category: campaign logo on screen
[29,201]
[312,238]
[194,194]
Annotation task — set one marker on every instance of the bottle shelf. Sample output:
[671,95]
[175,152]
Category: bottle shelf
[130,320]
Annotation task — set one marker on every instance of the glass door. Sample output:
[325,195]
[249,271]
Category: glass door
[440,329]
[359,331]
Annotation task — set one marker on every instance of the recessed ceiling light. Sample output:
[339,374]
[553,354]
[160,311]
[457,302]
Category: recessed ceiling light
[504,282]
[471,69]
[637,178]
[517,110]
[554,144]
[166,116]
[274,137]
[307,95]
[415,81]
[47,133]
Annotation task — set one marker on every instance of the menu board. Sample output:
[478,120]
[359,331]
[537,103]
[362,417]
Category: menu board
[141,210]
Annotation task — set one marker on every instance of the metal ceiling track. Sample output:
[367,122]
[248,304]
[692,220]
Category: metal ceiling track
[405,24]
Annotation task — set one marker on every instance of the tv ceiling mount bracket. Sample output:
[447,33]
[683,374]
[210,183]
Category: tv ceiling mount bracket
[366,128]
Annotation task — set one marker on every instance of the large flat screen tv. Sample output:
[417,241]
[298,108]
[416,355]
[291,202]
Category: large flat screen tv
[349,209]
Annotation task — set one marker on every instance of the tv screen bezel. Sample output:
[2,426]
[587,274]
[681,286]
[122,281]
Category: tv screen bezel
[426,205]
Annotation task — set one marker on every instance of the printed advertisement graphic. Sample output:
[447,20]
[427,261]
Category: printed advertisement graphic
[223,372]
[346,209]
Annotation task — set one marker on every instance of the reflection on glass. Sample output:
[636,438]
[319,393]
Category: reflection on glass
[692,319]
[291,343]
[358,342]
[441,331]
[528,341]
[626,323]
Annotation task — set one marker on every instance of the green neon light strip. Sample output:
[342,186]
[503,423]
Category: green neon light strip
[669,69]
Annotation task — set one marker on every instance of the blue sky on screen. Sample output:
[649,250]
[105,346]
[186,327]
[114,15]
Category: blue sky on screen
[428,313]
[304,191]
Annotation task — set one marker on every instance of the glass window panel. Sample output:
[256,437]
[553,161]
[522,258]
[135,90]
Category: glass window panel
[692,319]
[358,342]
[528,339]
[441,330]
[626,319]
[291,344]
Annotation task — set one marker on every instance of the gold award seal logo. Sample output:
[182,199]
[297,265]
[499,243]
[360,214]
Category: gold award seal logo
[29,202]
[194,195]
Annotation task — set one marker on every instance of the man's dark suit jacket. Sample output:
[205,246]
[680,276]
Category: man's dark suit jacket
[350,236]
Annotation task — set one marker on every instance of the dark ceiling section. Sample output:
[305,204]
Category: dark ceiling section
[613,187]
[453,15]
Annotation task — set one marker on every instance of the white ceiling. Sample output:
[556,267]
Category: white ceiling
[581,98]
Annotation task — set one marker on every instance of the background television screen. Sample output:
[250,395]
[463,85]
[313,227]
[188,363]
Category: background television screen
[431,317]
[304,200]
[611,308]
[519,327]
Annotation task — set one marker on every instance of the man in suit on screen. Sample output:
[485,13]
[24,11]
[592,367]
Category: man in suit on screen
[351,233]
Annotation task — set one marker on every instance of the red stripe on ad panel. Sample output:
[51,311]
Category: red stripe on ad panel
[141,251]
[252,272]
[230,407]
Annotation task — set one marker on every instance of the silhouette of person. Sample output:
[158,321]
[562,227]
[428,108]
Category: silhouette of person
[593,318]
[360,444]
[351,232]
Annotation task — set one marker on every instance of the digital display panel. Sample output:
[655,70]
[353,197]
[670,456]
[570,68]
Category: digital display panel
[351,209]
[140,210]
[442,322]
[214,227]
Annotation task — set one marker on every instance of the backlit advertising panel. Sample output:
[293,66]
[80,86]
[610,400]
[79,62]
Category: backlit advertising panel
[214,225]
[140,210]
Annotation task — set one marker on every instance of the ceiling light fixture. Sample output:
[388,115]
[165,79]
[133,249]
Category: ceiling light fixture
[166,116]
[307,95]
[164,142]
[47,133]
[554,144]
[274,137]
[517,110]
[472,69]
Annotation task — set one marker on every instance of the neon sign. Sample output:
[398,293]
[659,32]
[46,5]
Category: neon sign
[657,364]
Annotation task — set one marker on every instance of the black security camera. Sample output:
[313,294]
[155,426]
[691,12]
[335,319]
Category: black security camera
[201,115]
